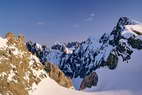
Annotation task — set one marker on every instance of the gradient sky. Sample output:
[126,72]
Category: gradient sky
[49,21]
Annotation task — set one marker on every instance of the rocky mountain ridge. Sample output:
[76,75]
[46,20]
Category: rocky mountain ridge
[80,59]
[21,71]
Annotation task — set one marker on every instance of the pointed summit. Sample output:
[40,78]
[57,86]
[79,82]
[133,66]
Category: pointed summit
[126,21]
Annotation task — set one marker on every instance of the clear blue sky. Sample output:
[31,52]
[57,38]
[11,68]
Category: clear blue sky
[48,21]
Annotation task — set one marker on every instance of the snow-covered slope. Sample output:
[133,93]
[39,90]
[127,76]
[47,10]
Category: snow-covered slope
[90,55]
[137,29]
[110,84]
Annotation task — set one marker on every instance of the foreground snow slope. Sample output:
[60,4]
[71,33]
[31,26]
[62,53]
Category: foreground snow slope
[50,87]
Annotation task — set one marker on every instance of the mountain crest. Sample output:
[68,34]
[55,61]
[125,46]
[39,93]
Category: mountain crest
[20,71]
[88,56]
[126,21]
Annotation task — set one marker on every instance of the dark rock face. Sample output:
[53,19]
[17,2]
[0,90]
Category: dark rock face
[91,54]
[135,43]
[112,61]
[89,81]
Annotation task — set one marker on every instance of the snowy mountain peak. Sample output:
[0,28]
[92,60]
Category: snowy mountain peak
[126,21]
[123,26]
[88,56]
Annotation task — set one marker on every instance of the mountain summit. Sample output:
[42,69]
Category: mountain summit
[80,59]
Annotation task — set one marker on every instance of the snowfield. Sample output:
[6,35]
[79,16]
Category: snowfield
[50,87]
[125,80]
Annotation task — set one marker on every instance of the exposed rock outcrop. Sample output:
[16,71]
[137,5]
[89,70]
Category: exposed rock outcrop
[89,81]
[20,71]
[56,74]
[112,61]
